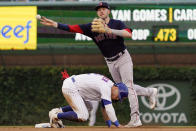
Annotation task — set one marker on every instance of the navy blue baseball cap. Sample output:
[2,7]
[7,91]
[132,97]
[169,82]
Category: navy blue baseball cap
[102,5]
[123,90]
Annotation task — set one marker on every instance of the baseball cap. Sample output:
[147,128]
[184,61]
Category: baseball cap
[123,90]
[102,4]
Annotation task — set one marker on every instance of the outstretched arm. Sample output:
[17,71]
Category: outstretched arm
[52,23]
[109,112]
[99,26]
[105,116]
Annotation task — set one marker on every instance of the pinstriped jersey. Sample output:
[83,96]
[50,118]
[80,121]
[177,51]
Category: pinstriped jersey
[93,87]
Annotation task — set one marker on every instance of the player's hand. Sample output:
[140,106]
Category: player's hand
[48,22]
[99,26]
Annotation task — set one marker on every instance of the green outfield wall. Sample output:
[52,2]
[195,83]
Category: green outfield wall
[159,27]
[27,94]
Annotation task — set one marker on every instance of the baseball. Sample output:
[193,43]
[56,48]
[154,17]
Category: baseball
[38,16]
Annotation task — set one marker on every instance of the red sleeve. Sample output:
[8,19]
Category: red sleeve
[129,30]
[75,29]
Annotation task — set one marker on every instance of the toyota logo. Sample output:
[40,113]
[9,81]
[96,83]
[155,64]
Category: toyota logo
[168,97]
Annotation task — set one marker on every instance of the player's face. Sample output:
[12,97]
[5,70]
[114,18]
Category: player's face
[103,13]
[115,93]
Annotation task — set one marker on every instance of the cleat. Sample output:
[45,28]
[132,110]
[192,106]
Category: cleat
[134,123]
[91,123]
[54,121]
[60,124]
[153,98]
[57,124]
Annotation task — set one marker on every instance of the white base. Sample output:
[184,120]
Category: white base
[43,125]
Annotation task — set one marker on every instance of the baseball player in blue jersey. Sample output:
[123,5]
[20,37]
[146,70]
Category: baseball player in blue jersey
[109,34]
[78,90]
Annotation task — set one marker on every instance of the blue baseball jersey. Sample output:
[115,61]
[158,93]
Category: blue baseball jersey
[109,44]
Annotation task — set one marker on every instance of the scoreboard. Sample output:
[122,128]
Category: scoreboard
[165,33]
[159,23]
[156,23]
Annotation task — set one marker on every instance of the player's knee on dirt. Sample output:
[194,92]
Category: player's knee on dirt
[83,116]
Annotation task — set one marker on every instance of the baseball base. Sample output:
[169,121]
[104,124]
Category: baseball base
[43,125]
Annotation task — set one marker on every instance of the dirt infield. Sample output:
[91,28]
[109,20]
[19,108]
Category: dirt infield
[156,128]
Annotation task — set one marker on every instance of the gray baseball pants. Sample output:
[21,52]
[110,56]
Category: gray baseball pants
[122,71]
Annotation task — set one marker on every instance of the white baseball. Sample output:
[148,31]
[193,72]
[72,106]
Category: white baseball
[38,16]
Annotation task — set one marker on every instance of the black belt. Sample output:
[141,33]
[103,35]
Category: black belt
[116,57]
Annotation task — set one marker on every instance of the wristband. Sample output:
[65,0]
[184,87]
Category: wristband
[116,123]
[63,26]
[108,123]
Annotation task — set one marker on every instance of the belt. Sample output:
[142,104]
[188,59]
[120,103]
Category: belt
[116,56]
[73,80]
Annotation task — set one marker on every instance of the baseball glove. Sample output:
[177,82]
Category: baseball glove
[99,26]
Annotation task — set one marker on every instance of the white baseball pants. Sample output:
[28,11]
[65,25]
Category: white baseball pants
[74,99]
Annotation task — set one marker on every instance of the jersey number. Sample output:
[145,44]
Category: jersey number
[105,79]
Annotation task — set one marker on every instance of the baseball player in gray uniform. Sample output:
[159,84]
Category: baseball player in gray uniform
[108,34]
[79,89]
